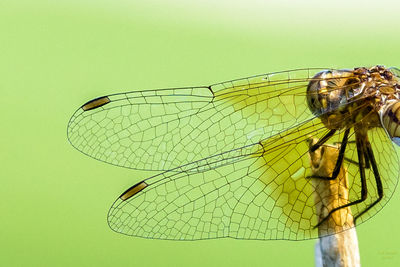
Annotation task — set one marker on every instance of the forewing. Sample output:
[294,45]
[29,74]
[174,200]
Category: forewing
[258,192]
[166,128]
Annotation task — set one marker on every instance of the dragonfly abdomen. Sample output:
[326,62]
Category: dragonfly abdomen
[390,118]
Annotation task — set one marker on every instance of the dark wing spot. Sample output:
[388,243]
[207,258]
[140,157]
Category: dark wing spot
[95,103]
[133,190]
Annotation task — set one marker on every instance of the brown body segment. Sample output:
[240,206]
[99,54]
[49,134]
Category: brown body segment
[95,103]
[133,190]
[391,119]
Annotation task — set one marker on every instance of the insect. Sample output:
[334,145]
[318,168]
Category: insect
[233,157]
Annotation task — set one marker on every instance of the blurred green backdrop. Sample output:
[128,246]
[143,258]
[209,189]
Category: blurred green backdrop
[56,55]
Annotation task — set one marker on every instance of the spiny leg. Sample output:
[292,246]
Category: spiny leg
[366,157]
[367,164]
[349,142]
[364,192]
[339,160]
[377,179]
[351,161]
[322,140]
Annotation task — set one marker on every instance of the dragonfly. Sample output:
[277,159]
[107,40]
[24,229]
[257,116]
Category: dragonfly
[233,157]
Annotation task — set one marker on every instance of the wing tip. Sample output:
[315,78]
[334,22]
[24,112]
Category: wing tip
[96,103]
[133,190]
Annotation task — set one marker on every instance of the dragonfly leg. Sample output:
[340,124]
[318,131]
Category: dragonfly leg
[339,160]
[348,142]
[322,140]
[367,162]
[364,192]
[378,180]
[351,161]
[366,157]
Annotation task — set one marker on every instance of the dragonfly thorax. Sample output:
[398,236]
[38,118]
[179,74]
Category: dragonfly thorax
[346,97]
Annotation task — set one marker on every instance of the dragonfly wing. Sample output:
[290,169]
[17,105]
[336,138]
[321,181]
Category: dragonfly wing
[166,128]
[258,192]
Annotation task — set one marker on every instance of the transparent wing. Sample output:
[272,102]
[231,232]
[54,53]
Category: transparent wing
[166,128]
[257,192]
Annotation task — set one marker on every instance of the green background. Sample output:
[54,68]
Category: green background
[56,55]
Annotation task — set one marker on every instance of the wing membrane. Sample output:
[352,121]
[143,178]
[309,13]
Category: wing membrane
[261,194]
[257,192]
[256,189]
[166,128]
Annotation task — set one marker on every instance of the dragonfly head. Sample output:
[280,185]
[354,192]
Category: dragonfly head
[390,119]
[323,94]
